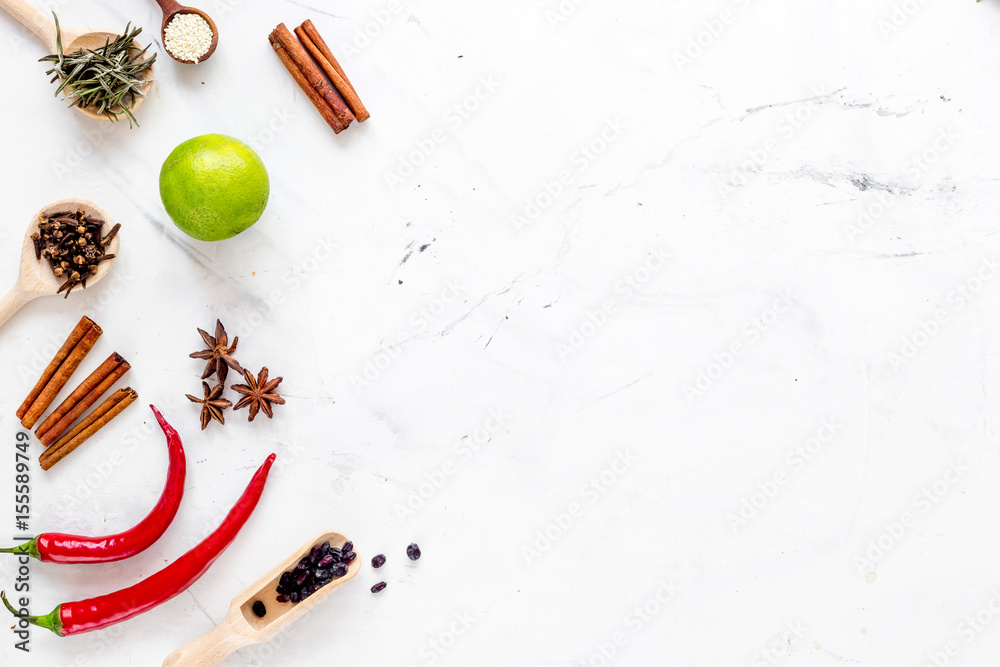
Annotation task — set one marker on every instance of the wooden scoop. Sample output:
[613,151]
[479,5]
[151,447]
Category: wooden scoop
[241,626]
[36,278]
[73,39]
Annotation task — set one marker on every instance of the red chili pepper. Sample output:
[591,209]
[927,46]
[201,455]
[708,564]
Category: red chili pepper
[72,618]
[61,548]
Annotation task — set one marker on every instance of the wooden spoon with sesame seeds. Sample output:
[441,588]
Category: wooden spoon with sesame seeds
[73,39]
[36,278]
[172,9]
[242,627]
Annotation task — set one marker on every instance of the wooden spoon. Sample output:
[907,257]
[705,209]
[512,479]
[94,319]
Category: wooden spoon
[172,8]
[241,626]
[36,278]
[73,39]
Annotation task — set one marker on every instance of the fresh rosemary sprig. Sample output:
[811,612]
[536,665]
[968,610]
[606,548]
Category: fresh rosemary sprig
[107,79]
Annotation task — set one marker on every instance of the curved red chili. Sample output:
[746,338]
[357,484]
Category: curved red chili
[61,548]
[72,618]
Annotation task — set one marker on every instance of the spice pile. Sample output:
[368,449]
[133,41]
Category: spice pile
[188,37]
[319,75]
[259,393]
[55,432]
[108,79]
[74,246]
[323,564]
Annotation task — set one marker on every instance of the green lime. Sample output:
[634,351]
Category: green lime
[214,187]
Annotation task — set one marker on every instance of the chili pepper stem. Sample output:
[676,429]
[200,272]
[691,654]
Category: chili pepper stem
[29,548]
[50,621]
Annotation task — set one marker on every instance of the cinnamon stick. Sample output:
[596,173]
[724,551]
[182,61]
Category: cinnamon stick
[310,78]
[58,372]
[324,109]
[94,422]
[321,53]
[82,398]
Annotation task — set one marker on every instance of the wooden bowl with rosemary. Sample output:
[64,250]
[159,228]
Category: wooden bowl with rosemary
[103,74]
[106,75]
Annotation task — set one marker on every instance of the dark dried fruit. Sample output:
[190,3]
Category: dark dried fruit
[348,546]
[259,609]
[322,565]
[378,561]
[349,556]
[413,551]
[380,586]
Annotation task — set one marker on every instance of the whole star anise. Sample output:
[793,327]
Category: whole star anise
[219,354]
[258,393]
[212,405]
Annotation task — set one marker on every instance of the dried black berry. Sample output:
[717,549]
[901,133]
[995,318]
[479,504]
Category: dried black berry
[348,546]
[323,564]
[259,609]
[380,586]
[413,551]
[378,561]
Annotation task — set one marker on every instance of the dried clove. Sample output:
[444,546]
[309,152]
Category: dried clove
[73,246]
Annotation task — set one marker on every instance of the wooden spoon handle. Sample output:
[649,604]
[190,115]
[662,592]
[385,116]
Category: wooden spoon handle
[208,650]
[33,20]
[169,6]
[15,299]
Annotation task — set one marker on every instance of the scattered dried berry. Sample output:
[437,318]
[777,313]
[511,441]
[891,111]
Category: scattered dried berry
[380,586]
[259,609]
[413,551]
[378,561]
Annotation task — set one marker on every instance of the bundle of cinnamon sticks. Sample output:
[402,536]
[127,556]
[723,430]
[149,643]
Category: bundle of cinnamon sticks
[57,431]
[319,75]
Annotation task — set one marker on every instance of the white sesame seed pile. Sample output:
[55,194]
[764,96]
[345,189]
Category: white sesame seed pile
[188,37]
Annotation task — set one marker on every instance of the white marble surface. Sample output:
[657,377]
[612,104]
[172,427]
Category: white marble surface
[751,337]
